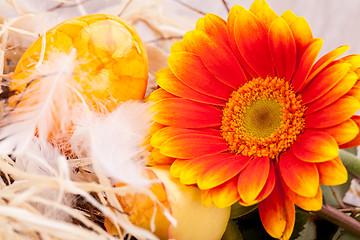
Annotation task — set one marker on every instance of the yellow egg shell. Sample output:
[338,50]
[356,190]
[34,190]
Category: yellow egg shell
[111,62]
[193,220]
[140,208]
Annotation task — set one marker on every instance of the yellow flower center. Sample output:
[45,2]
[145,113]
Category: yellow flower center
[262,118]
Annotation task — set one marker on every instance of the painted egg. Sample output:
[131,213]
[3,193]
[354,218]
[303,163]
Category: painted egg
[184,203]
[111,58]
[110,66]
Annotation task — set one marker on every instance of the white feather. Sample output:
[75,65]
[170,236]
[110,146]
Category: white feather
[42,105]
[44,159]
[115,141]
[38,159]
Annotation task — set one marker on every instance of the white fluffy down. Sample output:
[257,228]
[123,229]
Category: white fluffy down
[43,159]
[36,113]
[115,141]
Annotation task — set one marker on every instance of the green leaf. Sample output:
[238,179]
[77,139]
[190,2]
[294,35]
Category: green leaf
[351,162]
[339,190]
[309,232]
[350,150]
[301,219]
[232,232]
[238,210]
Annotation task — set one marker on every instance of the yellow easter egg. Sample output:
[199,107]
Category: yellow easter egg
[110,65]
[193,220]
[112,61]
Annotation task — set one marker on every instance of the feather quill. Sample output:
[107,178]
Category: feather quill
[42,106]
[115,141]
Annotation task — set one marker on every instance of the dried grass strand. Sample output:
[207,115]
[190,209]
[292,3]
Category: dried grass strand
[78,177]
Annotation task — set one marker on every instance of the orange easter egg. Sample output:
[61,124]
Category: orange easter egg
[193,219]
[112,61]
[110,66]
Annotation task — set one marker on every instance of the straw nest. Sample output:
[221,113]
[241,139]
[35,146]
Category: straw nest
[71,202]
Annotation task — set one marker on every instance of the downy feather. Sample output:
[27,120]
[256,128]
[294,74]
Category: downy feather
[43,159]
[115,141]
[40,106]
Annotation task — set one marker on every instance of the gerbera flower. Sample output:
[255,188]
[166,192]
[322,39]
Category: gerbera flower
[245,114]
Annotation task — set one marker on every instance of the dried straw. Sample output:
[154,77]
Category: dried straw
[83,194]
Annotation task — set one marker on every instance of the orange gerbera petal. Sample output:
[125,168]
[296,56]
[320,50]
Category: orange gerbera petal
[325,60]
[315,147]
[277,213]
[200,80]
[340,89]
[252,40]
[269,185]
[306,61]
[193,145]
[357,71]
[231,32]
[355,92]
[200,24]
[323,82]
[185,113]
[288,16]
[165,133]
[282,48]
[356,88]
[177,47]
[226,194]
[264,13]
[215,27]
[334,114]
[206,198]
[301,32]
[196,166]
[342,133]
[306,203]
[221,171]
[301,177]
[155,127]
[222,64]
[169,82]
[156,158]
[356,141]
[190,45]
[159,94]
[353,60]
[332,172]
[267,189]
[177,166]
[250,184]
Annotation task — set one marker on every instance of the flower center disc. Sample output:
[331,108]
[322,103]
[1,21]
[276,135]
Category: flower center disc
[262,118]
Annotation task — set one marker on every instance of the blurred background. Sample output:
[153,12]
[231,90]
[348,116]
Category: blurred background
[337,22]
